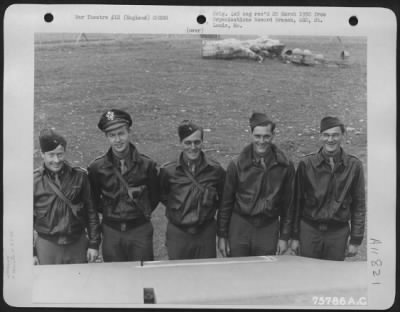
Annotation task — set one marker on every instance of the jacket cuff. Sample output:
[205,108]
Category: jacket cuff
[284,236]
[355,240]
[223,234]
[93,245]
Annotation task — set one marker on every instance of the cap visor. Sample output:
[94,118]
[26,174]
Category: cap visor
[116,125]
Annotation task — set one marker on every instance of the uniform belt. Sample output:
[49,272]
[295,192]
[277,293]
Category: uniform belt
[258,220]
[325,226]
[125,225]
[61,239]
[194,228]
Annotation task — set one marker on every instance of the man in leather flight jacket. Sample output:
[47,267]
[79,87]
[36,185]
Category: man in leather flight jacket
[63,208]
[329,197]
[257,206]
[125,190]
[191,190]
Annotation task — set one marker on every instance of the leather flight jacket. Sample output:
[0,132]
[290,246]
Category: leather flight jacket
[53,218]
[330,196]
[190,204]
[258,194]
[110,195]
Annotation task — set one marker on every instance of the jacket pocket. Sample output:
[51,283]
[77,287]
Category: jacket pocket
[310,201]
[344,212]
[209,197]
[142,201]
[78,211]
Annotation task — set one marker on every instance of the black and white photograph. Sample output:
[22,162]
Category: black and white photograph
[219,169]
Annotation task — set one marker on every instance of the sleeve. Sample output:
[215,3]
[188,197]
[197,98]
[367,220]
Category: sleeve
[286,212]
[220,186]
[95,188]
[164,186]
[93,223]
[153,185]
[298,200]
[34,219]
[228,200]
[358,209]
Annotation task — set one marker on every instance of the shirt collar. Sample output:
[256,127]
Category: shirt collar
[65,169]
[268,156]
[341,157]
[202,161]
[246,159]
[132,158]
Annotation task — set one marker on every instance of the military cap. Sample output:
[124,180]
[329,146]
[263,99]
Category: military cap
[260,119]
[187,128]
[50,140]
[330,122]
[113,119]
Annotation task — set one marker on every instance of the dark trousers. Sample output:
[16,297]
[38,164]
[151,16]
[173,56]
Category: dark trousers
[49,252]
[132,245]
[247,240]
[184,245]
[328,244]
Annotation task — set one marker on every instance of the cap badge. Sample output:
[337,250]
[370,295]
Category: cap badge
[110,115]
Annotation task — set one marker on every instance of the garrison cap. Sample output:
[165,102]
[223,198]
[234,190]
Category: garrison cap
[187,128]
[330,122]
[50,140]
[260,119]
[113,119]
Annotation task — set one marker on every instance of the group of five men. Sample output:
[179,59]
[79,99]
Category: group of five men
[256,207]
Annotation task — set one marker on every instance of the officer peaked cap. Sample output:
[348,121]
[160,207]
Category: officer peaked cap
[113,119]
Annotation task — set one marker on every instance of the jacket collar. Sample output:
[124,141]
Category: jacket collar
[319,158]
[134,156]
[205,161]
[64,170]
[245,158]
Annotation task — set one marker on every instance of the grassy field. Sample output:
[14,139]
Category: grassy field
[162,80]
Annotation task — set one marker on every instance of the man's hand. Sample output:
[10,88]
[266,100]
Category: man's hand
[223,246]
[35,260]
[282,246]
[91,255]
[352,250]
[295,246]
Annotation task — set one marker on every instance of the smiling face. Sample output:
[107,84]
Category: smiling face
[192,145]
[119,139]
[331,139]
[262,138]
[54,160]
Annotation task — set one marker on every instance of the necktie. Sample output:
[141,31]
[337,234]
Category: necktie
[193,168]
[57,180]
[331,162]
[123,166]
[262,162]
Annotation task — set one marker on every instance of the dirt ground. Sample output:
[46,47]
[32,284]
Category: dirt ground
[162,80]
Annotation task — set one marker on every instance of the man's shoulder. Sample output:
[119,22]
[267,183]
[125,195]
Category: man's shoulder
[97,161]
[353,159]
[213,162]
[281,156]
[79,170]
[38,172]
[309,157]
[169,165]
[147,159]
